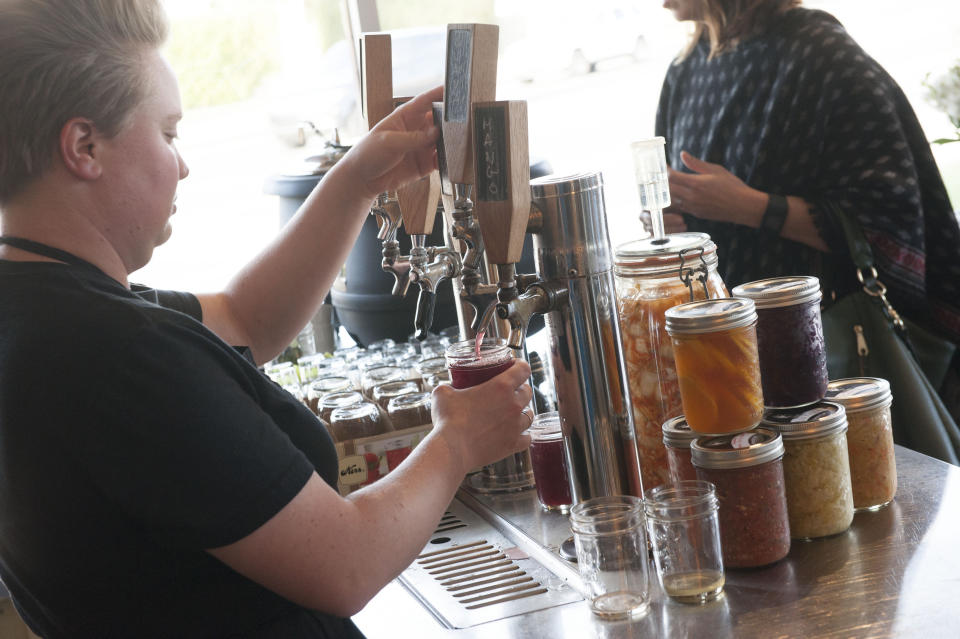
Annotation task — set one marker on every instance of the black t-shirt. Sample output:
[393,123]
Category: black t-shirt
[131,439]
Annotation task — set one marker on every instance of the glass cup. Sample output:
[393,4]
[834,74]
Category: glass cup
[383,393]
[378,375]
[468,368]
[324,386]
[332,401]
[611,545]
[685,533]
[549,462]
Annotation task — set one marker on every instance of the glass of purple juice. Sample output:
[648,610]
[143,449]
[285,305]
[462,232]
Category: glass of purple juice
[549,462]
[470,365]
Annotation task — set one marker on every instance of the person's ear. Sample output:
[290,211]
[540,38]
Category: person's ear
[78,148]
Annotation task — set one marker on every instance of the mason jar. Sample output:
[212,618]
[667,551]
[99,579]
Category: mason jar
[324,386]
[357,421]
[793,359]
[378,375]
[685,534]
[409,410]
[549,462]
[718,369]
[873,466]
[677,438]
[816,467]
[332,401]
[648,282]
[747,471]
[383,393]
[469,368]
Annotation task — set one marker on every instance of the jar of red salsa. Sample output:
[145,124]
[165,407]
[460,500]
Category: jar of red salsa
[793,360]
[677,438]
[747,470]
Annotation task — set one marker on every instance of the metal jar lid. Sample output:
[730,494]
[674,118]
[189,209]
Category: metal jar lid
[662,257]
[709,316]
[739,450]
[780,291]
[677,433]
[823,418]
[860,393]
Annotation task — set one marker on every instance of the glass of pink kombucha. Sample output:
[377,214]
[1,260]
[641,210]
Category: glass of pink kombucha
[470,366]
[549,462]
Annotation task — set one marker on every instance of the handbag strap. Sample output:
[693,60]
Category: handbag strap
[862,256]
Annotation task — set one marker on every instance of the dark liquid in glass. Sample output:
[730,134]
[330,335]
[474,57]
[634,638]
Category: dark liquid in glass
[550,472]
[467,376]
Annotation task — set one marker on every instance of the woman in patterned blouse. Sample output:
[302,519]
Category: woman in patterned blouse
[772,112]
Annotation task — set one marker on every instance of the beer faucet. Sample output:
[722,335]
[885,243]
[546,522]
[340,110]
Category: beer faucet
[376,92]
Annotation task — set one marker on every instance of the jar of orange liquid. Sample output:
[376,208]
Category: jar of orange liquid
[718,369]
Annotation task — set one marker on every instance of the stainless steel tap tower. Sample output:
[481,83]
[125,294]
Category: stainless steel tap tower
[483,155]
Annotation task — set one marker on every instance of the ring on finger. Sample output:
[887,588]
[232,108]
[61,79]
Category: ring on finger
[526,412]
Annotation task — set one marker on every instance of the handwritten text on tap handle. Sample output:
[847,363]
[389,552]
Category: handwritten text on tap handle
[490,135]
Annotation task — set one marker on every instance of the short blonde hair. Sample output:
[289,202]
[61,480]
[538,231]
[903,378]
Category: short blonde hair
[727,22]
[61,59]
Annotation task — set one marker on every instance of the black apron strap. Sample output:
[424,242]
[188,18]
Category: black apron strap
[47,251]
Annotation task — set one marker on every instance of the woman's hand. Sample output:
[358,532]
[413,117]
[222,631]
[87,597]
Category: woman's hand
[484,423]
[714,193]
[399,149]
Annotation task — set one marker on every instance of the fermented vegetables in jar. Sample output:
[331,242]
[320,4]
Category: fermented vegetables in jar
[718,371]
[747,470]
[677,438]
[816,468]
[793,360]
[648,282]
[873,467]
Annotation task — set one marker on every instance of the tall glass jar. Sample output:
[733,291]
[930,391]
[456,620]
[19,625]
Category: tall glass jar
[677,438]
[718,369]
[873,467]
[648,281]
[549,462]
[816,468]
[747,470]
[793,360]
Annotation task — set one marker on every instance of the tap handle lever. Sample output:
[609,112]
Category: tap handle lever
[376,77]
[418,202]
[502,205]
[470,76]
[423,319]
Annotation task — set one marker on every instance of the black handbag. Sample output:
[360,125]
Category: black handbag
[866,337]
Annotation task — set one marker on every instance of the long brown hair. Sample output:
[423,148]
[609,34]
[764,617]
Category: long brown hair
[728,22]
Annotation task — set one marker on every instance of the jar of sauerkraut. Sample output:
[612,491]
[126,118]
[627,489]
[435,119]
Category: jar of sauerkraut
[873,468]
[718,369]
[816,468]
[650,278]
[793,359]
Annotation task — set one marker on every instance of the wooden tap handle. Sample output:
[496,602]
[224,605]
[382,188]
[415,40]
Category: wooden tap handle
[502,195]
[418,203]
[470,76]
[376,77]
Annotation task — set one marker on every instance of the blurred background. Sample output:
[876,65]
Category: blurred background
[253,73]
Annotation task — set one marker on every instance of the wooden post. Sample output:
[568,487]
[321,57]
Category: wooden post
[502,193]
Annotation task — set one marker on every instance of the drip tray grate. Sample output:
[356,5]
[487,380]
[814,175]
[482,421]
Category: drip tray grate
[470,574]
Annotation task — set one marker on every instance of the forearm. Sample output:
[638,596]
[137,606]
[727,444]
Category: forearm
[274,296]
[396,515]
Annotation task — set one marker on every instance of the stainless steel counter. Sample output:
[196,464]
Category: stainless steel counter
[895,573]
